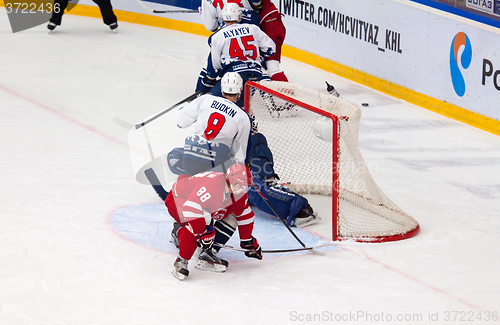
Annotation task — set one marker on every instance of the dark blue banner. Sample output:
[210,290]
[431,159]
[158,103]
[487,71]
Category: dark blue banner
[188,4]
[459,8]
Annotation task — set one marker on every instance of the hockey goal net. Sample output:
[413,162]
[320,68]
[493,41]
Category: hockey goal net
[313,137]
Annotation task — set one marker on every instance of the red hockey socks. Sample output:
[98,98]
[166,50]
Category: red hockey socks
[280,76]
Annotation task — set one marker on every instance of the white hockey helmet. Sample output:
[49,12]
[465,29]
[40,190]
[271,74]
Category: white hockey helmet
[231,83]
[231,12]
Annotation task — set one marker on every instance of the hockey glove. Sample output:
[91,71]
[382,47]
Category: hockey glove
[206,239]
[253,246]
[256,5]
[208,84]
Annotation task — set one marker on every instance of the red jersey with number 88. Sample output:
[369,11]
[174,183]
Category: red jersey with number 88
[203,197]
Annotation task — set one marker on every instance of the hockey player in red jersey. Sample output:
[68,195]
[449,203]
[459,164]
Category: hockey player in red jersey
[195,202]
[272,25]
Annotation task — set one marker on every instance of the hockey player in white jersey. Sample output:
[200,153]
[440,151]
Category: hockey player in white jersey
[235,43]
[211,12]
[221,130]
[238,47]
[211,16]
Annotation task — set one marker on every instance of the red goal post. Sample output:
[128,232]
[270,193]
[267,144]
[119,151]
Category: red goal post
[314,140]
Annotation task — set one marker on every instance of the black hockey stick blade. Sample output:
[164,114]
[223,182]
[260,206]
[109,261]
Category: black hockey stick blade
[273,251]
[187,99]
[174,11]
[155,182]
[142,4]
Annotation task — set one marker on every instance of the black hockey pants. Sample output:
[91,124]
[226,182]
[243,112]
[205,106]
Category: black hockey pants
[107,13]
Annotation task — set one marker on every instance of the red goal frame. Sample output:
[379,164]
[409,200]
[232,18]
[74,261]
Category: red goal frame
[335,136]
[336,236]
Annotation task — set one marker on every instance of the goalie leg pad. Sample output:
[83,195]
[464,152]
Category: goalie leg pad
[260,157]
[287,203]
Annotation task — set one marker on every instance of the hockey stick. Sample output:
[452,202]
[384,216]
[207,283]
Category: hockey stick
[187,99]
[165,11]
[162,193]
[127,125]
[275,250]
[174,11]
[311,249]
[155,182]
[124,124]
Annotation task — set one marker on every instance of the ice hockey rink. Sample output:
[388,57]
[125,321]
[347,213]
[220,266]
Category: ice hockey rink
[81,242]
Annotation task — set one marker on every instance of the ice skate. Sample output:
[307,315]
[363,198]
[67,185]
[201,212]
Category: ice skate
[306,221]
[51,26]
[174,238]
[306,217]
[208,261]
[180,270]
[113,27]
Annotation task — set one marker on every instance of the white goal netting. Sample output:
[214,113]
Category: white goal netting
[315,154]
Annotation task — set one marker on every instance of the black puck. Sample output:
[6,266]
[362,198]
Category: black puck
[365,104]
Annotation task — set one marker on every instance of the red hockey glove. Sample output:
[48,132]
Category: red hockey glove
[253,246]
[206,239]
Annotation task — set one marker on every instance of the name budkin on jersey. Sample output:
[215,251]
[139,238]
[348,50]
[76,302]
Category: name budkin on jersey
[223,108]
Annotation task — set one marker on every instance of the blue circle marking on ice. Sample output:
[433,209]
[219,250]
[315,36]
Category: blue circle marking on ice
[150,225]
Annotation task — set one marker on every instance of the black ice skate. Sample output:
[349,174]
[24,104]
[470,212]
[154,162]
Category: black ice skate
[208,261]
[180,268]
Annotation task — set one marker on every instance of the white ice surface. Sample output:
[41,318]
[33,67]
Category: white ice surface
[65,170]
